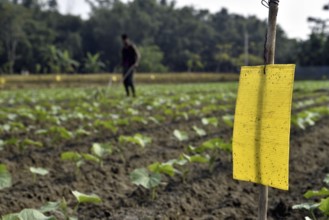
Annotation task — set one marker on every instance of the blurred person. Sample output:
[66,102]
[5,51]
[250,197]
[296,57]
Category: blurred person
[130,60]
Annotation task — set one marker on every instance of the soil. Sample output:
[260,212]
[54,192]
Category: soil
[204,195]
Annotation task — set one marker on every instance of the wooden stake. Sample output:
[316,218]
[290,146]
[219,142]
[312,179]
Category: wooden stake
[269,55]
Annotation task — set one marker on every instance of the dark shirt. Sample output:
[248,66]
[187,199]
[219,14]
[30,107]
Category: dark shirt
[129,55]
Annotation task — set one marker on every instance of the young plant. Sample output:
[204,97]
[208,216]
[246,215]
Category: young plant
[210,121]
[38,171]
[85,198]
[228,120]
[213,147]
[181,135]
[101,150]
[5,177]
[201,132]
[137,139]
[322,206]
[73,157]
[148,180]
[59,207]
[27,214]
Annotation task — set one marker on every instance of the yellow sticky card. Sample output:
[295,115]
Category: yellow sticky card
[262,125]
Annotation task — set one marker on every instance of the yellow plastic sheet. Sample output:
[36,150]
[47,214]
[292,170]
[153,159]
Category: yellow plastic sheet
[262,125]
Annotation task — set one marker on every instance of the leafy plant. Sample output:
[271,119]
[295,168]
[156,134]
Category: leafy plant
[228,120]
[27,214]
[101,150]
[199,131]
[137,139]
[181,135]
[148,180]
[38,171]
[322,206]
[85,198]
[73,157]
[210,121]
[5,177]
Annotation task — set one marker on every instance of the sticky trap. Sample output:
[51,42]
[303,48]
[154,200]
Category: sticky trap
[262,125]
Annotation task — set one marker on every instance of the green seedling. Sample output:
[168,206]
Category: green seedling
[5,177]
[181,135]
[201,132]
[60,133]
[137,139]
[38,171]
[108,125]
[148,180]
[59,208]
[101,151]
[73,157]
[210,121]
[322,206]
[27,214]
[26,143]
[85,198]
[181,168]
[213,147]
[228,120]
[162,168]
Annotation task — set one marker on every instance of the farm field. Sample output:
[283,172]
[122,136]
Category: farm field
[162,155]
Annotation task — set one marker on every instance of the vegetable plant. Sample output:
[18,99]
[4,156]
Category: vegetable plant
[181,135]
[322,205]
[38,171]
[148,180]
[137,139]
[5,177]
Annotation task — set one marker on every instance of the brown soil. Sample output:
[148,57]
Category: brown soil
[204,195]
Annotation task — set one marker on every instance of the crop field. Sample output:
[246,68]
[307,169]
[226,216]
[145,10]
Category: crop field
[92,153]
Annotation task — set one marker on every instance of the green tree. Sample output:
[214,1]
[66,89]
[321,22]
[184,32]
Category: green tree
[93,64]
[151,59]
[12,21]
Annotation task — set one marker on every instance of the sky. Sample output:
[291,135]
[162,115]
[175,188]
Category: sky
[292,15]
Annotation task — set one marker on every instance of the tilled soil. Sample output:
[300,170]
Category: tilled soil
[204,194]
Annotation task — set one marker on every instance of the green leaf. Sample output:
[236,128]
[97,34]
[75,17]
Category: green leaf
[312,193]
[324,206]
[199,131]
[33,214]
[84,198]
[11,217]
[197,158]
[212,144]
[136,139]
[326,179]
[90,157]
[165,168]
[71,156]
[30,142]
[228,120]
[180,135]
[141,177]
[5,177]
[100,150]
[306,206]
[142,140]
[50,207]
[210,121]
[39,171]
[180,162]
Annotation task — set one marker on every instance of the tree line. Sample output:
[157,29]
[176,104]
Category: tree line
[36,38]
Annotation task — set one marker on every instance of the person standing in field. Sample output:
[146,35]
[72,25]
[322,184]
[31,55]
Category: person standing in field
[130,60]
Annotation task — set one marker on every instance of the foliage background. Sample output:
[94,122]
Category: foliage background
[36,38]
